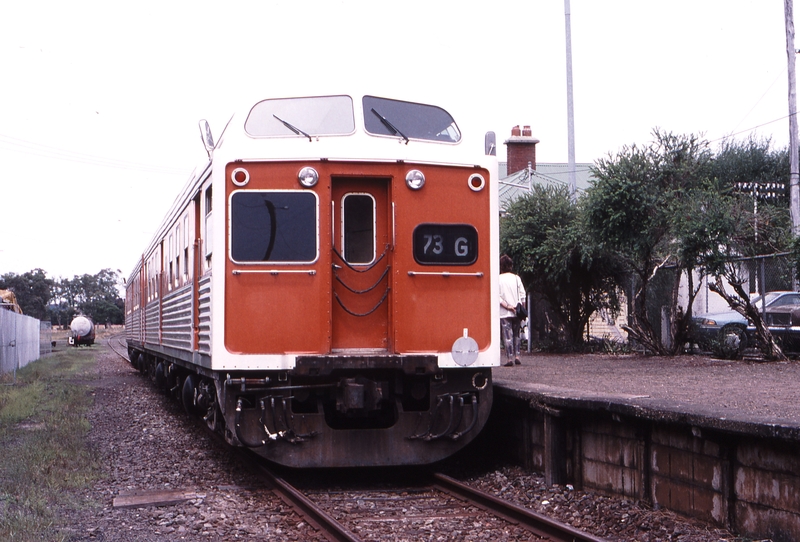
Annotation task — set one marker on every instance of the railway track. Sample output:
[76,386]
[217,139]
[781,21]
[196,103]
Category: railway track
[116,344]
[432,506]
[538,524]
[431,503]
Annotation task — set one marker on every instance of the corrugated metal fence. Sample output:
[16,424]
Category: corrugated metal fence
[19,341]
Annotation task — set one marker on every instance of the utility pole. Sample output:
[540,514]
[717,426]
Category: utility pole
[570,114]
[794,171]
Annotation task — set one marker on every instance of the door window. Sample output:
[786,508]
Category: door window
[358,228]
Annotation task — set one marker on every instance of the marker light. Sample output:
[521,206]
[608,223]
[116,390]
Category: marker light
[415,179]
[240,176]
[308,177]
[476,182]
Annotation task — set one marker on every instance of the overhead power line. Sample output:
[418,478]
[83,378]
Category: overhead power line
[750,129]
[36,149]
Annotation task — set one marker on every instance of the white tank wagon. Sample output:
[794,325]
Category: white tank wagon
[81,331]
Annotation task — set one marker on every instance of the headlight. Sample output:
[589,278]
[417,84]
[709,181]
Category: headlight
[308,177]
[415,179]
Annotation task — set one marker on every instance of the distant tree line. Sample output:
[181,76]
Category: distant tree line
[60,300]
[671,204]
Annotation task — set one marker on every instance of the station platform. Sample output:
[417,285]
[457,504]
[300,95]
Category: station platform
[714,439]
[758,398]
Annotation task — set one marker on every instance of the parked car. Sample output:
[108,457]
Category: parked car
[726,332]
[783,322]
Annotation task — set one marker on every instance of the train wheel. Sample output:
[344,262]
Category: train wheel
[188,392]
[174,383]
[133,356]
[161,377]
[144,361]
[214,418]
[206,403]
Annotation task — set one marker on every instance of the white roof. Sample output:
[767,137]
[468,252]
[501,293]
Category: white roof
[513,186]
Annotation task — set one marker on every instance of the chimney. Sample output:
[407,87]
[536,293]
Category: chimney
[521,149]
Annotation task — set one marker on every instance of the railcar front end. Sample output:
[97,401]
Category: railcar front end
[326,292]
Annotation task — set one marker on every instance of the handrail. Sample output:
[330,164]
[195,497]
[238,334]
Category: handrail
[274,271]
[479,274]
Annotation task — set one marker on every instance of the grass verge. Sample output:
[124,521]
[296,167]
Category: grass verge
[45,459]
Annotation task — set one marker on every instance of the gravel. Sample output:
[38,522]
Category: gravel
[148,444]
[614,519]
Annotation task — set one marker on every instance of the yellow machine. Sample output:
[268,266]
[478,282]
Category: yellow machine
[9,301]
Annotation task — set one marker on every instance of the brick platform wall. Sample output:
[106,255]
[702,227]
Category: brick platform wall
[745,483]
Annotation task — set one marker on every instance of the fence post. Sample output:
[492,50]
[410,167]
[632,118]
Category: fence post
[529,305]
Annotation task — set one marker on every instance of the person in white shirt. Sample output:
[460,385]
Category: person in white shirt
[512,292]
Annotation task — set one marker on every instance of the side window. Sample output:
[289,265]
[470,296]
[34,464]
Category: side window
[208,228]
[157,271]
[177,255]
[168,255]
[787,300]
[148,274]
[186,247]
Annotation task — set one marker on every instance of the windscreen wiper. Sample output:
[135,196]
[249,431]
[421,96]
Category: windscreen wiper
[293,128]
[389,125]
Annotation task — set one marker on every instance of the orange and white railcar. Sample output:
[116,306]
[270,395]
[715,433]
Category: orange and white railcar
[324,289]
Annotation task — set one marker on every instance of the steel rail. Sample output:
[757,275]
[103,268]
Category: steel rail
[318,518]
[111,346]
[538,524]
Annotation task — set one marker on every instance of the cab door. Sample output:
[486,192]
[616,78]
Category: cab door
[361,265]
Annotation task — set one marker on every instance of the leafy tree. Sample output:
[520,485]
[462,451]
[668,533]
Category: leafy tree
[759,176]
[736,220]
[62,305]
[97,296]
[632,209]
[674,203]
[32,289]
[544,234]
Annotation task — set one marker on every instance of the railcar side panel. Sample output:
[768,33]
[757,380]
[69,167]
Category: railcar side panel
[152,322]
[177,327]
[204,315]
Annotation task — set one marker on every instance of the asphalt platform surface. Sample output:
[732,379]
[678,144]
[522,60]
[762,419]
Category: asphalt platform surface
[758,398]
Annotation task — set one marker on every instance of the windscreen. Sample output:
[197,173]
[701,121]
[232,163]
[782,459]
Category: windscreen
[301,117]
[409,120]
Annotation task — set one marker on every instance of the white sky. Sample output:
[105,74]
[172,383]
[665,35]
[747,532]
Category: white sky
[99,100]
